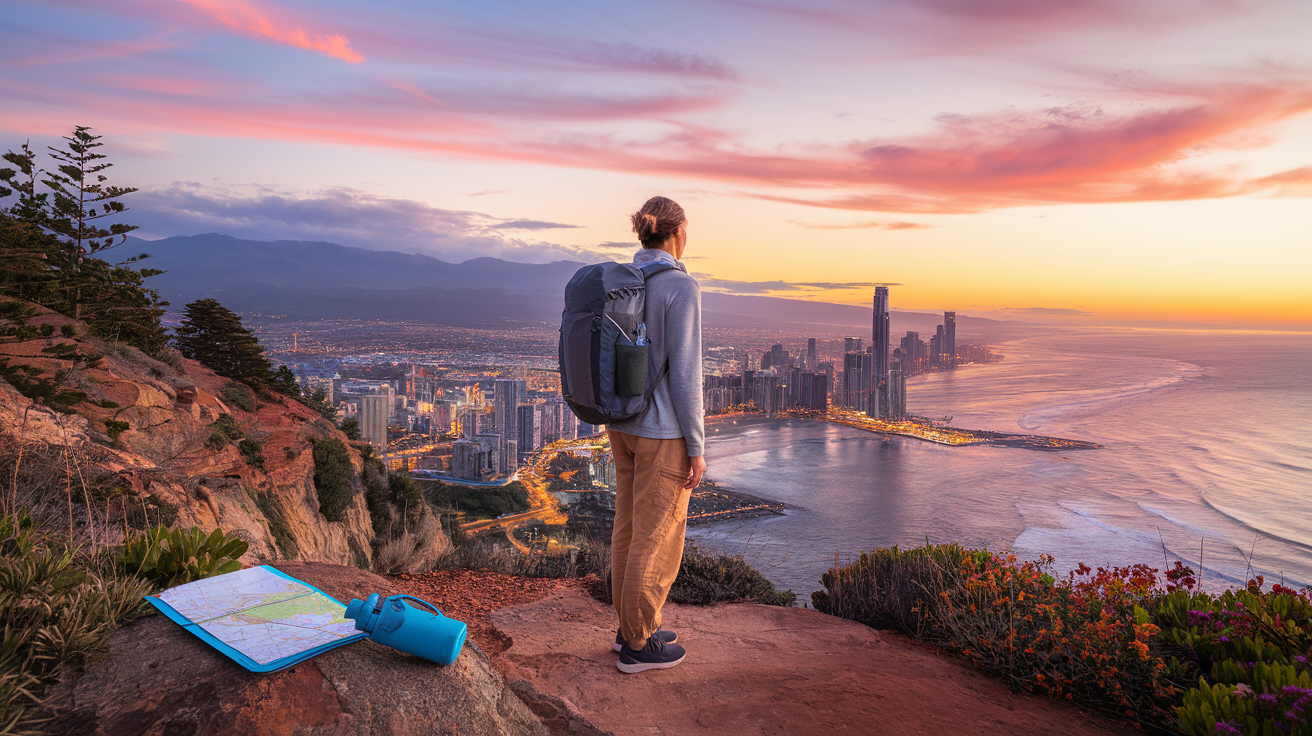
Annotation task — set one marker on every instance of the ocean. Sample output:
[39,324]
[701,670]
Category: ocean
[1206,458]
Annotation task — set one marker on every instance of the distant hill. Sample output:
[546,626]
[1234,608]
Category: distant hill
[196,264]
[316,280]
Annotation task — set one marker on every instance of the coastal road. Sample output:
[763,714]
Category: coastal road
[543,505]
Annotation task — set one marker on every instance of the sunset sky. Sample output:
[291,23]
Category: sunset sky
[1127,159]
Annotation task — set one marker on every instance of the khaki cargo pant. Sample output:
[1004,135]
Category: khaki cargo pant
[651,512]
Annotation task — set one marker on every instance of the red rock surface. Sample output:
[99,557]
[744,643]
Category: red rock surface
[471,595]
[754,669]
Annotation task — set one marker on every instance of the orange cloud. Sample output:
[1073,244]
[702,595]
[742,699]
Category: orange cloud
[245,18]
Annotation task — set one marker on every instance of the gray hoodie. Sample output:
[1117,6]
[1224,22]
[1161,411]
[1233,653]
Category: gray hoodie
[674,325]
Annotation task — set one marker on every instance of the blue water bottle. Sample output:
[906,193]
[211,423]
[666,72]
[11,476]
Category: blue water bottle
[408,628]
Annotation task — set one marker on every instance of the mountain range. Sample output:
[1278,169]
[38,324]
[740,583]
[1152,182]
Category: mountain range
[318,280]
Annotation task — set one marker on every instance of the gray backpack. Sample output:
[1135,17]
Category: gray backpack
[604,372]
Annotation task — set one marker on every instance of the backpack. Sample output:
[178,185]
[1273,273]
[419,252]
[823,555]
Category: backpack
[604,372]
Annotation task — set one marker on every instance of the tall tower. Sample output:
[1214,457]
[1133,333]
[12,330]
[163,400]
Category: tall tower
[373,420]
[950,338]
[507,394]
[812,357]
[880,337]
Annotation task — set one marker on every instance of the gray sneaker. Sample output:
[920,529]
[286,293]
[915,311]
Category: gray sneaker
[656,655]
[669,637]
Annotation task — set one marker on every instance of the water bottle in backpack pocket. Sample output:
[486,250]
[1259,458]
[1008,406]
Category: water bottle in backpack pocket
[631,362]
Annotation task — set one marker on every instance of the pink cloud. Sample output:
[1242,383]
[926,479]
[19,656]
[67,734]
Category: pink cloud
[1061,155]
[245,18]
[1149,151]
[964,27]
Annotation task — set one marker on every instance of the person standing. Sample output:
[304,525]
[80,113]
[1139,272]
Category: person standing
[658,454]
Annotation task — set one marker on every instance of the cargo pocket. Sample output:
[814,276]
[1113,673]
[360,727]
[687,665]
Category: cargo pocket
[630,369]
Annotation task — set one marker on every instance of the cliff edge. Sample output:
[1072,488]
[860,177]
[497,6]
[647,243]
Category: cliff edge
[140,435]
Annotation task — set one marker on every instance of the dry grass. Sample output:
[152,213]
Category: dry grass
[415,550]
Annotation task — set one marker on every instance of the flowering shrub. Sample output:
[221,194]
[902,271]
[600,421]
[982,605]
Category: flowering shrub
[1120,639]
[1249,651]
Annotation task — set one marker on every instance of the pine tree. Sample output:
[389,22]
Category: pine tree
[24,269]
[215,337]
[32,205]
[81,198]
[284,382]
[47,236]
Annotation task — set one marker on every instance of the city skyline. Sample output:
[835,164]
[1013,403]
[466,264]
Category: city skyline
[1096,160]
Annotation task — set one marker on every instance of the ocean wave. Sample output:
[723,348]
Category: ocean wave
[1098,400]
[1082,535]
[1262,528]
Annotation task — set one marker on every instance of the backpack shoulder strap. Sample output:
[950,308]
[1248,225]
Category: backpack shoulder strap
[655,267]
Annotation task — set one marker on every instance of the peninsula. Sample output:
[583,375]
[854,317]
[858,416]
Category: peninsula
[925,429]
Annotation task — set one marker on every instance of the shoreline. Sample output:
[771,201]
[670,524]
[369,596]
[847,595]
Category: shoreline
[925,431]
[702,507]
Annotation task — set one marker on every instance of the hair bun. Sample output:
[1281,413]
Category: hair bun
[657,221]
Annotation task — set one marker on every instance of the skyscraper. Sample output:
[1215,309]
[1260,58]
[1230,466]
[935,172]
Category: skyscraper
[950,338]
[896,389]
[373,419]
[856,377]
[851,345]
[812,357]
[507,394]
[530,427]
[880,335]
[777,357]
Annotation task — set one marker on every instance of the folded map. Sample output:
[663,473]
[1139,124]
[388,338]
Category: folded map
[259,617]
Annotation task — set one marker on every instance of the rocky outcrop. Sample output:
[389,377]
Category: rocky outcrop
[754,669]
[144,430]
[155,679]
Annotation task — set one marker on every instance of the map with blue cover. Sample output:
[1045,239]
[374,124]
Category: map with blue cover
[260,617]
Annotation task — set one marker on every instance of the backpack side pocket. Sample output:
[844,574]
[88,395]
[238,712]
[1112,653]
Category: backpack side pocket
[630,369]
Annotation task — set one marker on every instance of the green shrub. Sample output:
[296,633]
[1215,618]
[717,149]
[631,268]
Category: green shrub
[1120,640]
[332,478]
[253,451]
[1086,638]
[1248,649]
[478,502]
[14,311]
[706,578]
[20,333]
[116,427]
[276,515]
[47,329]
[57,605]
[318,400]
[30,382]
[406,496]
[886,588]
[239,396]
[223,430]
[169,558]
[63,351]
[377,497]
[68,330]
